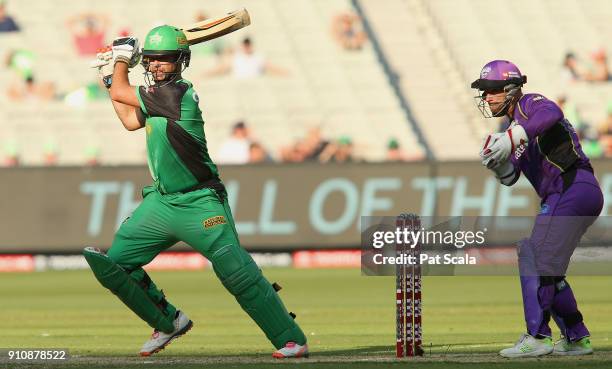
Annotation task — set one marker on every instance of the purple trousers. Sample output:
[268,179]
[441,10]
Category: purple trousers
[544,257]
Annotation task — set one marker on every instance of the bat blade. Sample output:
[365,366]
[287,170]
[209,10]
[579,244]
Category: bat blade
[212,28]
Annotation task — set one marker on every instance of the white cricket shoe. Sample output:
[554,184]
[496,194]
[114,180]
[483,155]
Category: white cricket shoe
[529,346]
[580,347]
[291,349]
[159,340]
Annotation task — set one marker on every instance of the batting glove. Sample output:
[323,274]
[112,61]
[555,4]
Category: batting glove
[126,50]
[104,66]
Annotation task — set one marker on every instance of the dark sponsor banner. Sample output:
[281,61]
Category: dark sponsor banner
[275,206]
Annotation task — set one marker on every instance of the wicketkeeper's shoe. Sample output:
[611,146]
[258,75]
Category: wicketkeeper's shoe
[580,347]
[159,340]
[529,346]
[291,349]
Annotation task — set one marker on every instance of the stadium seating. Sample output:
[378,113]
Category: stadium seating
[438,48]
[346,93]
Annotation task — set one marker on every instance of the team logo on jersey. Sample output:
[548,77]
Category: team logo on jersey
[544,209]
[195,97]
[211,222]
[520,150]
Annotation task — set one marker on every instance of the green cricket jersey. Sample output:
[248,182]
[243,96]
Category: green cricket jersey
[176,144]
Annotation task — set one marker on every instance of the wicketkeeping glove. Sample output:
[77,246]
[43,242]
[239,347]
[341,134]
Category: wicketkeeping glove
[504,171]
[499,146]
[104,65]
[126,50]
[487,160]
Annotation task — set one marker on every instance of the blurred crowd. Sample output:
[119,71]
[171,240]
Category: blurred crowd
[90,31]
[595,137]
[241,147]
[593,70]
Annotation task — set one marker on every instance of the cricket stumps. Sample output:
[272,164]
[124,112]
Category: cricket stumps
[408,293]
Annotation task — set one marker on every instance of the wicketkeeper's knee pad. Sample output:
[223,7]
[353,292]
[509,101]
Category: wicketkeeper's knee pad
[243,279]
[132,292]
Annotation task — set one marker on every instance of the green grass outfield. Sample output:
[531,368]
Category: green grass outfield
[349,321]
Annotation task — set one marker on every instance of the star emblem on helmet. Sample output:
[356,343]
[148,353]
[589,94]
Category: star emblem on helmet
[155,38]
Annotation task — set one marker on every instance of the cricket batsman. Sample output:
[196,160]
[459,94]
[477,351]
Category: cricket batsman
[186,202]
[542,144]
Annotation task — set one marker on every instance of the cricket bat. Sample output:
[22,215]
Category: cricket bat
[212,28]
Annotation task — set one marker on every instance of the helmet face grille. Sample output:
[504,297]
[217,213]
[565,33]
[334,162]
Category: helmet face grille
[512,94]
[181,58]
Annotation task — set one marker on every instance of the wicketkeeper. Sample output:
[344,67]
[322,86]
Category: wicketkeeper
[186,202]
[542,145]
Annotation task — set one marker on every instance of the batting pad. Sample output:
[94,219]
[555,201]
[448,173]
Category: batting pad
[118,281]
[243,279]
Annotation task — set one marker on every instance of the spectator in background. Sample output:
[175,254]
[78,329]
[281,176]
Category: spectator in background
[570,111]
[571,68]
[257,154]
[21,62]
[600,71]
[308,148]
[25,87]
[50,153]
[246,63]
[339,152]
[88,32]
[236,150]
[606,144]
[11,154]
[31,90]
[7,23]
[347,31]
[295,153]
[92,155]
[394,152]
[314,144]
[80,97]
[590,143]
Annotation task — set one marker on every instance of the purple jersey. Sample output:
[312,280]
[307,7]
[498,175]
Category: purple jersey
[553,147]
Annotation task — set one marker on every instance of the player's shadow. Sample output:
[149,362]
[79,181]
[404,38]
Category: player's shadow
[429,349]
[367,350]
